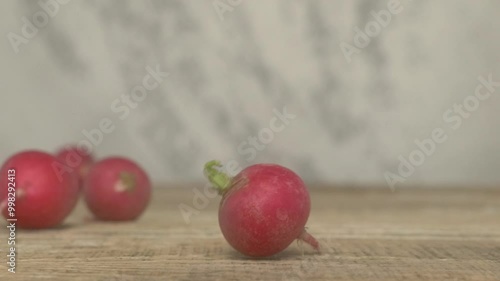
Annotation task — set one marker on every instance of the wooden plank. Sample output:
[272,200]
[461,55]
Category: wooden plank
[366,234]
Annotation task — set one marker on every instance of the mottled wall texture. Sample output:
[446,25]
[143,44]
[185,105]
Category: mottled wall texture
[340,91]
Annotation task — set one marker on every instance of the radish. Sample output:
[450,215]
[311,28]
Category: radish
[117,189]
[43,199]
[263,209]
[77,159]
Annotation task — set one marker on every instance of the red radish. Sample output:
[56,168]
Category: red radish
[263,209]
[77,159]
[43,197]
[117,189]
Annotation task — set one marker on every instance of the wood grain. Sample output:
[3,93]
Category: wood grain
[366,234]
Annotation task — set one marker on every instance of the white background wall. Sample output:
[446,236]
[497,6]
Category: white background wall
[226,76]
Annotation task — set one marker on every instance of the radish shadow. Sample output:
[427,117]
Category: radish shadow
[288,254]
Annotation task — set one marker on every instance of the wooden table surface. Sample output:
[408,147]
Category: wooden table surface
[366,234]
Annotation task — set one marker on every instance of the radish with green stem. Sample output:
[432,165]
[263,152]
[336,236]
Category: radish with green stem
[263,209]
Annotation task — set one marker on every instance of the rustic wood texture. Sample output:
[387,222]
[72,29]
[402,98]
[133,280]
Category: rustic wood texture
[366,234]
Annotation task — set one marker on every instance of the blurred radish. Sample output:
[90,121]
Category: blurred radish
[263,209]
[117,189]
[79,160]
[43,198]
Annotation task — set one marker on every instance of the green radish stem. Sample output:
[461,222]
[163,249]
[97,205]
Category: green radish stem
[127,182]
[219,180]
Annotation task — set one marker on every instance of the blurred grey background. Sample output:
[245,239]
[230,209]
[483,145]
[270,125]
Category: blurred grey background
[232,64]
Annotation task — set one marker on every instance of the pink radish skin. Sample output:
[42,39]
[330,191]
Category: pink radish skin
[78,160]
[43,199]
[263,209]
[117,189]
